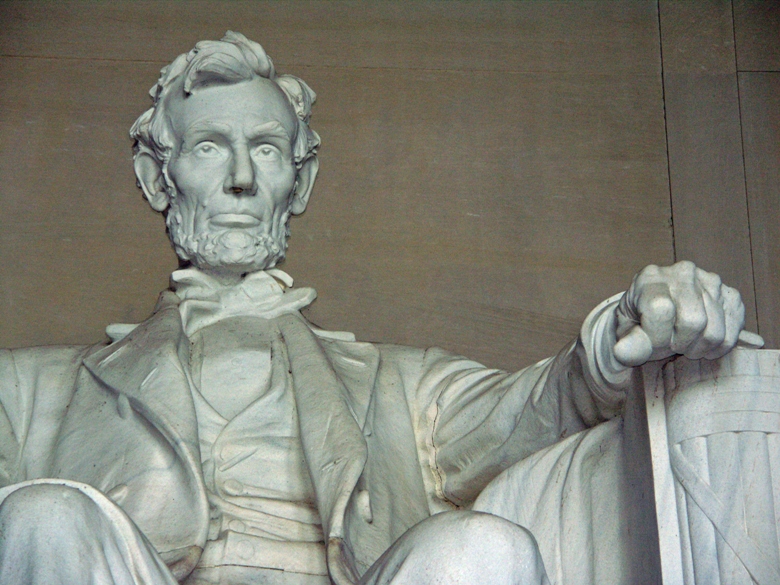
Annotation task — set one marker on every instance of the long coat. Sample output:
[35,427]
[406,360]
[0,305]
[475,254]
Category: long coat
[391,434]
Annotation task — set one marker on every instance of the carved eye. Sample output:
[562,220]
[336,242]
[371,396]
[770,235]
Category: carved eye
[266,152]
[207,149]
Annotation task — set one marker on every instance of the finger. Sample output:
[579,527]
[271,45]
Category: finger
[750,340]
[628,314]
[634,349]
[657,314]
[714,333]
[691,319]
[734,321]
[710,282]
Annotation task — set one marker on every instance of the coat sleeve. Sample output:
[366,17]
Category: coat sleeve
[474,422]
[35,388]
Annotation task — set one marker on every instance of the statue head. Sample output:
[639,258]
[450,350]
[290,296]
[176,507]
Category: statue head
[227,154]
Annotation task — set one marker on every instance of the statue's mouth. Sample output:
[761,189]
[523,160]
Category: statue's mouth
[235,220]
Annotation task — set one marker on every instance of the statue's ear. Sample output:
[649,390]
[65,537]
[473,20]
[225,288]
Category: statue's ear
[306,176]
[148,171]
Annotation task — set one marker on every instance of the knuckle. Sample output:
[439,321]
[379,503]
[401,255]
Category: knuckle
[661,307]
[731,299]
[717,281]
[735,295]
[714,336]
[685,266]
[684,273]
[648,272]
[715,293]
[710,280]
[692,321]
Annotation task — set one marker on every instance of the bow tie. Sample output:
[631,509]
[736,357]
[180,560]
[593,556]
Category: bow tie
[264,294]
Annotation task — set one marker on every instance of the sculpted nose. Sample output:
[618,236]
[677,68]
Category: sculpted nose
[242,176]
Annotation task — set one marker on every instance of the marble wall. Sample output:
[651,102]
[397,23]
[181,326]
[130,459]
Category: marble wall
[721,70]
[489,171]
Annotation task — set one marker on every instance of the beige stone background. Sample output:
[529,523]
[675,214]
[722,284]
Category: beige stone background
[490,170]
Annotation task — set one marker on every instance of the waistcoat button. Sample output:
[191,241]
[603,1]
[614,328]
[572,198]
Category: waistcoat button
[244,549]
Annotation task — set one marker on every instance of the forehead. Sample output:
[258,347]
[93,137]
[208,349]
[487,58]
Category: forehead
[248,104]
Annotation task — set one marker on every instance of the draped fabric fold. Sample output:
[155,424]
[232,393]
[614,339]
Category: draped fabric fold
[333,442]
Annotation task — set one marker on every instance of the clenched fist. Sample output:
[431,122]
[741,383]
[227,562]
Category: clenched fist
[680,309]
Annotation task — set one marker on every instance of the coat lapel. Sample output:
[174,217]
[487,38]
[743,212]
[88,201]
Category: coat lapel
[144,368]
[355,364]
[331,436]
[146,372]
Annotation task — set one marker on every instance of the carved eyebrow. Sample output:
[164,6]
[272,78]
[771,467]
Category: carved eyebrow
[206,126]
[271,129]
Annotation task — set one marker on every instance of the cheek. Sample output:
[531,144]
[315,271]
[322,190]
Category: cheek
[195,180]
[278,180]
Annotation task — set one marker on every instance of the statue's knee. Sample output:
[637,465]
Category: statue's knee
[477,533]
[481,533]
[45,506]
[474,547]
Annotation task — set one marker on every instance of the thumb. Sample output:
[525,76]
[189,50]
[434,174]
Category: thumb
[633,349]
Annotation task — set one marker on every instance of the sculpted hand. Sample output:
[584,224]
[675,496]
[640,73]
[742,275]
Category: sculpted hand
[680,309]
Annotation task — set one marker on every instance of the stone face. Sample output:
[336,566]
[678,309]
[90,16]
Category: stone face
[228,439]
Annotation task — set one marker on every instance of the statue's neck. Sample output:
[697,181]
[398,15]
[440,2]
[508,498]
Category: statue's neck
[224,276]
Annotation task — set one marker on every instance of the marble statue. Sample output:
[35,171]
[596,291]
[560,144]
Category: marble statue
[226,440]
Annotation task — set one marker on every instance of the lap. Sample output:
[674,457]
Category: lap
[83,531]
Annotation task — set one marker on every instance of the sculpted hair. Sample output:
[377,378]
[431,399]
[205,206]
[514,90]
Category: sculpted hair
[231,60]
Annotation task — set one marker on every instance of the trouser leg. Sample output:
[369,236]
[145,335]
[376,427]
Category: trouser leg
[52,534]
[461,548]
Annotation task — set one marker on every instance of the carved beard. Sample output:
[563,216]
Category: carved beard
[233,248]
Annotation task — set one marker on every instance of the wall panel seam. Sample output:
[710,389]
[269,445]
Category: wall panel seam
[744,168]
[666,130]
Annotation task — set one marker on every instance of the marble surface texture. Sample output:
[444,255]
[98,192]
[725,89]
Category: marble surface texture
[226,439]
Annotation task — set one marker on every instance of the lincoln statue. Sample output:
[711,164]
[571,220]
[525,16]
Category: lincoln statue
[227,440]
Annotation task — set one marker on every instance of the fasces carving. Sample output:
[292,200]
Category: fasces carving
[227,440]
[722,423]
